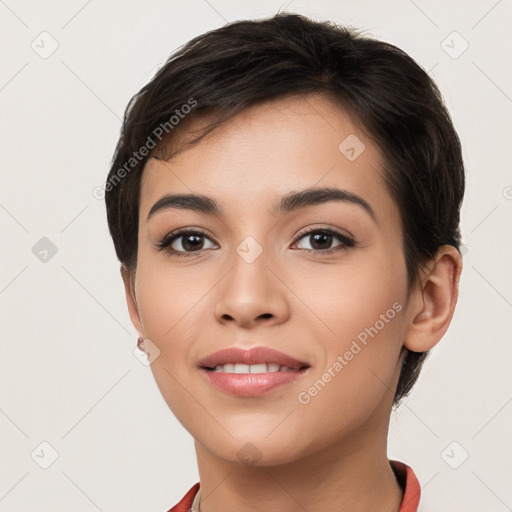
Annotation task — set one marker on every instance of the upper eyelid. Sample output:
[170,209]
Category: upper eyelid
[329,228]
[178,233]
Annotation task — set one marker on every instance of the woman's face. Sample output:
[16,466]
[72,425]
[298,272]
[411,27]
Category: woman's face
[251,276]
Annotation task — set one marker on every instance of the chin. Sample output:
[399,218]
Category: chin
[250,450]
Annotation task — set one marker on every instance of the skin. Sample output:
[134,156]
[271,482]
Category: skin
[331,452]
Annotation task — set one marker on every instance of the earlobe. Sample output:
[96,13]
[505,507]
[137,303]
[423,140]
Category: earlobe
[433,303]
[131,300]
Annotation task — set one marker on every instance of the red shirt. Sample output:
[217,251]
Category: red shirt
[404,474]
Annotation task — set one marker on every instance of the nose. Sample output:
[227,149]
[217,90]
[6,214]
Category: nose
[252,293]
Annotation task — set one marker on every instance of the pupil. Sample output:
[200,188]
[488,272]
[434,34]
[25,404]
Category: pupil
[192,245]
[324,236]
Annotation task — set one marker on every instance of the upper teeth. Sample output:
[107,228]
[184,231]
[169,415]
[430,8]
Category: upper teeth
[251,368]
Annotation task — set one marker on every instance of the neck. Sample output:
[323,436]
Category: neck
[353,475]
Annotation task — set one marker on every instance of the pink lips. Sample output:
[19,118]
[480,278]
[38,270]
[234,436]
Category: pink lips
[251,384]
[256,355]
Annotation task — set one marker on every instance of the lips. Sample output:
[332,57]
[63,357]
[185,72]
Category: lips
[252,356]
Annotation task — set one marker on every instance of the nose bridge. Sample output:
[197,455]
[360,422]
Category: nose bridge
[249,274]
[250,289]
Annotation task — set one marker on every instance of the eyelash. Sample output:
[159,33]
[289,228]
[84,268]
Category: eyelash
[347,241]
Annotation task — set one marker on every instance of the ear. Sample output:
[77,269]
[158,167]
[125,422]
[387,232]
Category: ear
[131,300]
[432,303]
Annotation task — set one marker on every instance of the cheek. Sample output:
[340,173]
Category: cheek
[358,377]
[360,334]
[174,305]
[346,298]
[169,298]
[169,306]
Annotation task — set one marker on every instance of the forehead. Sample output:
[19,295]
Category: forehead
[267,150]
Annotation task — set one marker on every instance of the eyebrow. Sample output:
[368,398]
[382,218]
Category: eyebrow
[290,202]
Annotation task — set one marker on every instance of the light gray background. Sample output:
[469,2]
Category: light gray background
[68,373]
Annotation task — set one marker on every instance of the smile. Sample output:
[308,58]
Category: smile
[241,368]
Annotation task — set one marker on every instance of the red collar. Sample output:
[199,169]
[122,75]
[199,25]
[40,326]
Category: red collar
[409,483]
[186,502]
[404,474]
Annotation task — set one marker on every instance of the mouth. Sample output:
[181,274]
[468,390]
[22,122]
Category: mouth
[241,368]
[251,372]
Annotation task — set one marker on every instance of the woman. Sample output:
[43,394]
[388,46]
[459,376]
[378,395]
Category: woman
[284,200]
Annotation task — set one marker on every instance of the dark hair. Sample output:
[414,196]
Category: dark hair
[380,87]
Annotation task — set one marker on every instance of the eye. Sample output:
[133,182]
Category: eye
[183,243]
[321,240]
[186,242]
